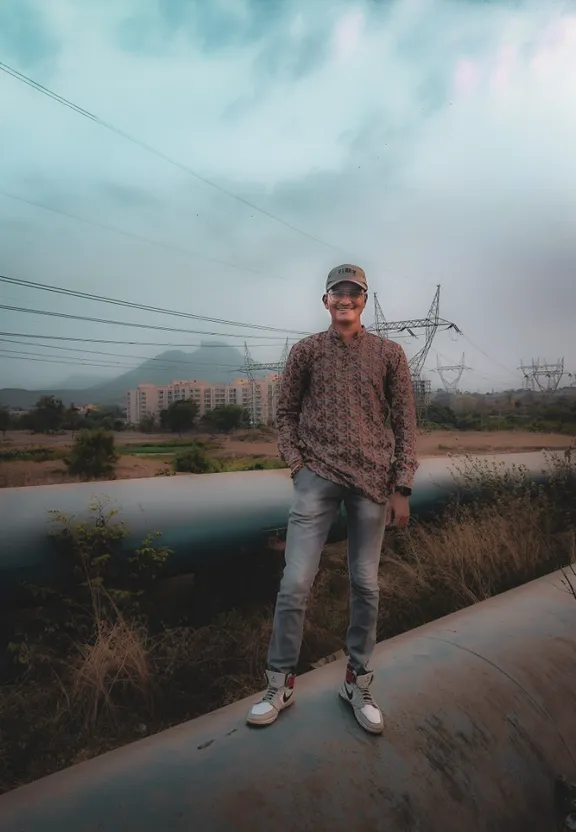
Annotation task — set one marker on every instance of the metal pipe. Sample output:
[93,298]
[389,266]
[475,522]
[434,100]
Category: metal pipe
[201,517]
[479,723]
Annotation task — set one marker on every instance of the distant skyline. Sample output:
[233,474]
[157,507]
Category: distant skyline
[428,141]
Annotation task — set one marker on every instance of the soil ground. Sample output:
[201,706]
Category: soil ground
[241,444]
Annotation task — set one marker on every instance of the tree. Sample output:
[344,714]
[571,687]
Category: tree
[93,454]
[72,419]
[147,423]
[48,414]
[179,416]
[5,420]
[227,417]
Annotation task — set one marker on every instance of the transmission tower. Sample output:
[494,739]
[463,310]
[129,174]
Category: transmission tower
[542,376]
[379,319]
[430,324]
[250,368]
[451,385]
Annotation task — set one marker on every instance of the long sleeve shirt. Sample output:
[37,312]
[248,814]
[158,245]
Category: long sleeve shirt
[333,407]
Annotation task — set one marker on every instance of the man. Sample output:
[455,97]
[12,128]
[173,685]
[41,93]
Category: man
[337,391]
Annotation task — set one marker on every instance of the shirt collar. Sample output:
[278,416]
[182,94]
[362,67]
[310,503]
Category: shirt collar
[335,335]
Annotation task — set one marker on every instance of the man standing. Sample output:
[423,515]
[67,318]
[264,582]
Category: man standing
[338,388]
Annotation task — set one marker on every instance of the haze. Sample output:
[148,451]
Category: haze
[428,141]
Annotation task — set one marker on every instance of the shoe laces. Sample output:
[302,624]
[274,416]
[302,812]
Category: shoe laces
[270,693]
[367,697]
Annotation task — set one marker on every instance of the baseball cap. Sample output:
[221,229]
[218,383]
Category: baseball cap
[349,273]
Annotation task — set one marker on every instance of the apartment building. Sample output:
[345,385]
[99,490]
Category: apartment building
[151,399]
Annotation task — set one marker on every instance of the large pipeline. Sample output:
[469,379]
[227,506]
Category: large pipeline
[480,721]
[201,517]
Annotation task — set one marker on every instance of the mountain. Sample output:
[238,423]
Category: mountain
[82,382]
[217,364]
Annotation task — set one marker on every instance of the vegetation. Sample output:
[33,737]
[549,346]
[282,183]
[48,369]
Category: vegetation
[528,411]
[40,454]
[226,418]
[120,649]
[50,416]
[180,416]
[193,460]
[93,454]
[5,420]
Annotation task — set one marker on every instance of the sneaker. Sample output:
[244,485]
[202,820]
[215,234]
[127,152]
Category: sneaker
[279,695]
[356,691]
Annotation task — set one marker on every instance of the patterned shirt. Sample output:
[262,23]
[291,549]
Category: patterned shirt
[334,403]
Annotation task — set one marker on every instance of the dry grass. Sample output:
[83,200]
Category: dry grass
[122,680]
[116,661]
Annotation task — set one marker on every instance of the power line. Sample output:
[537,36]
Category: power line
[68,361]
[165,362]
[19,76]
[485,354]
[15,281]
[19,355]
[121,323]
[133,236]
[201,344]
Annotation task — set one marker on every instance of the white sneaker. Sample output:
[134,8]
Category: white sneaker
[356,691]
[279,695]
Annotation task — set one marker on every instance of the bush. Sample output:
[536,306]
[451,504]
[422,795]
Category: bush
[193,460]
[93,454]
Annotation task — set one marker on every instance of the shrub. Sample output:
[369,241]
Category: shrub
[193,460]
[93,454]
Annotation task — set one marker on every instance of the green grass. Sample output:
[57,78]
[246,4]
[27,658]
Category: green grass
[41,454]
[171,447]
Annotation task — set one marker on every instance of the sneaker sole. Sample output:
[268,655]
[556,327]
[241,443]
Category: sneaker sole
[372,729]
[272,717]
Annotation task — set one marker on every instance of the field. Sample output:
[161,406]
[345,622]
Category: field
[125,654]
[145,455]
[112,662]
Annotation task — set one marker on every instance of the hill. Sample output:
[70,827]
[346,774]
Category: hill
[82,382]
[215,363]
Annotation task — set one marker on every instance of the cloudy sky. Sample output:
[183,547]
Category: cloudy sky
[431,142]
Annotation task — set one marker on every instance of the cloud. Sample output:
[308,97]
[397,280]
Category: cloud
[25,33]
[430,141]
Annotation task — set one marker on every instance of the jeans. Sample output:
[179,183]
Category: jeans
[314,509]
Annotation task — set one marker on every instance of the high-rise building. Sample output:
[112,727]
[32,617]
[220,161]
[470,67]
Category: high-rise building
[151,399]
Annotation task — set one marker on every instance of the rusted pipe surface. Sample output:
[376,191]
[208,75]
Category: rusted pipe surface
[480,720]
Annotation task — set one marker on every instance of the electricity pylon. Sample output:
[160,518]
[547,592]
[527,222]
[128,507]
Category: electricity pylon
[542,376]
[451,385]
[250,368]
[430,324]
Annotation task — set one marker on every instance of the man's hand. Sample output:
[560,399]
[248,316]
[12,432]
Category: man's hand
[398,511]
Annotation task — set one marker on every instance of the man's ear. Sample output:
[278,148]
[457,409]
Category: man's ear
[325,301]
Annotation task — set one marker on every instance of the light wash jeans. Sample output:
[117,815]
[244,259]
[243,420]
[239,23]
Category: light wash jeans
[314,509]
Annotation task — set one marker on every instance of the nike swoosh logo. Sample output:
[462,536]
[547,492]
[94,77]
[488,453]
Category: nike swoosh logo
[287,697]
[349,693]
